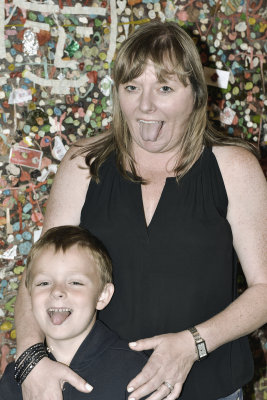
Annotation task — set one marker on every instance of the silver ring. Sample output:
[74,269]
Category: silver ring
[169,386]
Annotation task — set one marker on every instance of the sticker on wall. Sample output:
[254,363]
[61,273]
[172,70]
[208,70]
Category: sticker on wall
[26,157]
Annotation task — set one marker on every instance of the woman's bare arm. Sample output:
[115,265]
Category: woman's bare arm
[64,206]
[68,192]
[247,214]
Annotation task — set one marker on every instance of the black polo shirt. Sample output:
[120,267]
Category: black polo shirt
[103,360]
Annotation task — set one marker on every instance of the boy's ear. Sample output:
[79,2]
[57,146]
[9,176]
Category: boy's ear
[105,296]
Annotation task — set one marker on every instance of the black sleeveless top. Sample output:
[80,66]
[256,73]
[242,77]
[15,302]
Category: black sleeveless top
[175,273]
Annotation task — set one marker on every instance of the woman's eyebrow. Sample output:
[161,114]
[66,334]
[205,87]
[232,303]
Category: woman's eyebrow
[134,80]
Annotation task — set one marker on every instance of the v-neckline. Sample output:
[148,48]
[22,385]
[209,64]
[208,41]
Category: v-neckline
[168,179]
[156,211]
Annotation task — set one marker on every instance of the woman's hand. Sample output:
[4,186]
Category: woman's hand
[46,380]
[171,361]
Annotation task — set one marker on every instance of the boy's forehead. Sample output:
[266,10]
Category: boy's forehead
[51,247]
[76,251]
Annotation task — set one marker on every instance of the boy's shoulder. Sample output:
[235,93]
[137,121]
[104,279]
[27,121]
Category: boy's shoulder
[106,361]
[102,344]
[122,351]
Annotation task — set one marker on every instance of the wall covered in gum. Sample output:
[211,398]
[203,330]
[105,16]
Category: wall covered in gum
[55,67]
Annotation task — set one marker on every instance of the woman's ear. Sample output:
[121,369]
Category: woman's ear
[105,296]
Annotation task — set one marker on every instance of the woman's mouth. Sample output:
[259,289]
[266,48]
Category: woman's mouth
[150,130]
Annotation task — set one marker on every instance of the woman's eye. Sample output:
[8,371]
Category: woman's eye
[130,88]
[75,283]
[166,89]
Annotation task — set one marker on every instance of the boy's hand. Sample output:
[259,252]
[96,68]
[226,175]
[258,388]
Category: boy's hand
[46,380]
[167,368]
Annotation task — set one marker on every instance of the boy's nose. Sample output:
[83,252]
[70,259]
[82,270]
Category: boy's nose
[58,291]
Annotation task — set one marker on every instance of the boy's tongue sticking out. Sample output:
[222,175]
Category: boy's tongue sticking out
[58,315]
[150,130]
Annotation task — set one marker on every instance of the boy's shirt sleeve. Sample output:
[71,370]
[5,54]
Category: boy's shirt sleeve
[9,388]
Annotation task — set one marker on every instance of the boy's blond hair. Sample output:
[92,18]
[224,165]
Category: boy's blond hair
[63,238]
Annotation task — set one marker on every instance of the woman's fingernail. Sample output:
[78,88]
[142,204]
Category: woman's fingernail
[89,387]
[131,398]
[130,389]
[132,344]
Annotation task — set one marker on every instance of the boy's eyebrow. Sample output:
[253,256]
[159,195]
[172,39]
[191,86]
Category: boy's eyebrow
[70,274]
[35,276]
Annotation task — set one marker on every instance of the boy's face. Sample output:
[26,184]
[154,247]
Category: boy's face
[65,293]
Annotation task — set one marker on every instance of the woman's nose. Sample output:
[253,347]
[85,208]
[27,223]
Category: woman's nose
[147,104]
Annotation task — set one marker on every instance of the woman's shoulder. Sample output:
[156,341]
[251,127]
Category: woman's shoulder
[92,139]
[239,167]
[234,153]
[74,159]
[70,186]
[84,143]
[235,158]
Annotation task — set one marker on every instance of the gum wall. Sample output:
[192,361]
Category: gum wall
[56,62]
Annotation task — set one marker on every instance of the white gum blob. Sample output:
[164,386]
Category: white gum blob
[150,130]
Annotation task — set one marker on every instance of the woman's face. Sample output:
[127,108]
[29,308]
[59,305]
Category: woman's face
[157,113]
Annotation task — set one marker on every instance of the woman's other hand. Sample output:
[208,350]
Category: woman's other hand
[46,380]
[172,358]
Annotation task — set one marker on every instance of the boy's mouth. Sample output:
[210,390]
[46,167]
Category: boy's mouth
[150,130]
[59,314]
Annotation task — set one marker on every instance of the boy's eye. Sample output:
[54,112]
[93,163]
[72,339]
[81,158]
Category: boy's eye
[42,283]
[166,89]
[76,283]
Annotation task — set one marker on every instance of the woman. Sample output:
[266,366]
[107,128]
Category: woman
[175,203]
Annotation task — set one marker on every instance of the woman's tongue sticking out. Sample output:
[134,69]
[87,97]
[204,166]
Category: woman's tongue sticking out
[150,130]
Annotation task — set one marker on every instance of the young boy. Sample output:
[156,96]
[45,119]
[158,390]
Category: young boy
[69,277]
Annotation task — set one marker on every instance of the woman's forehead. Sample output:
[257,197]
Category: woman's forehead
[163,72]
[158,74]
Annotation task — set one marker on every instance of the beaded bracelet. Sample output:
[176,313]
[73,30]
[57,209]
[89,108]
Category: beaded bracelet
[25,367]
[30,366]
[35,349]
[27,361]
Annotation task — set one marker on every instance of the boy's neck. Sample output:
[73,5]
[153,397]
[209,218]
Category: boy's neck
[65,349]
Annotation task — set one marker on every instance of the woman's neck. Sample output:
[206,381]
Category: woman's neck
[149,164]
